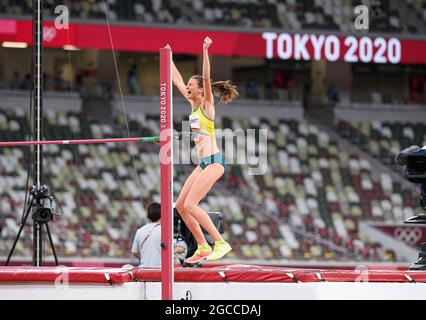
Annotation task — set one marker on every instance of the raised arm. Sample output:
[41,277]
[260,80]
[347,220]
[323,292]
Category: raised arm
[177,78]
[208,94]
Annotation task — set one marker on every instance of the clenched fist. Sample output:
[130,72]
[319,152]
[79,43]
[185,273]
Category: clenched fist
[207,42]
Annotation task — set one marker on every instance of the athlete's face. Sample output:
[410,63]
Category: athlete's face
[192,89]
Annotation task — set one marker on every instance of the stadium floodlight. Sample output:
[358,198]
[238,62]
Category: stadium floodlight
[70,47]
[15,45]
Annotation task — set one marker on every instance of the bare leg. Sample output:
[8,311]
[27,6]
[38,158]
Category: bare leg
[189,220]
[199,189]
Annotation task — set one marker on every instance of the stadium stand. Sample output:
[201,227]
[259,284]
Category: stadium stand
[287,14]
[419,7]
[383,139]
[312,187]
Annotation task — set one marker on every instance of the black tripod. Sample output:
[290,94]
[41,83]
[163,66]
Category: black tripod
[40,204]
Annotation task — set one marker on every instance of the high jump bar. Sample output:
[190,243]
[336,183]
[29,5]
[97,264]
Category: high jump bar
[81,141]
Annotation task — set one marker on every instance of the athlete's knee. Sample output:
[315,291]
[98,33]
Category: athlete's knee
[180,207]
[189,205]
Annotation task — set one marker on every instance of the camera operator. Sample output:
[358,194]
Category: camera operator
[147,243]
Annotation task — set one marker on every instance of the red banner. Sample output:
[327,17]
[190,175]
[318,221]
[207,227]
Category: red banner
[285,46]
[413,235]
[7,26]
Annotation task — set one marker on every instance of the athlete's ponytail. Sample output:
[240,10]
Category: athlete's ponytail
[224,90]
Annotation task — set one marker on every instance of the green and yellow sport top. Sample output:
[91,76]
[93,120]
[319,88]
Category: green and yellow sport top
[199,122]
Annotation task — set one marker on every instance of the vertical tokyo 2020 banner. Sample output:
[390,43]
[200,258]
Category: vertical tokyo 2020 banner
[355,48]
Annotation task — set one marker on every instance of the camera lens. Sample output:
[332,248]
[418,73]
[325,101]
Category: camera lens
[44,214]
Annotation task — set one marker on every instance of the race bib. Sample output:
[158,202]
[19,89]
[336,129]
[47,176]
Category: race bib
[194,122]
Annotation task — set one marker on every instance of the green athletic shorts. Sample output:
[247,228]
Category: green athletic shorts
[218,157]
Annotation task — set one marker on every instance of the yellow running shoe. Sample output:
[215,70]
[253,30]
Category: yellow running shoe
[221,248]
[202,253]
